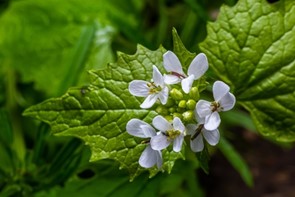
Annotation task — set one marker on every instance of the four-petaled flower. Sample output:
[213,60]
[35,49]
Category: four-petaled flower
[151,90]
[224,101]
[196,69]
[198,131]
[174,132]
[149,157]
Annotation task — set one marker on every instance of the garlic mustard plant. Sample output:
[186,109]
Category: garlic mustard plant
[196,69]
[149,156]
[224,101]
[179,114]
[154,90]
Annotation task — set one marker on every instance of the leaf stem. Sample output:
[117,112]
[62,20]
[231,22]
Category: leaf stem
[18,144]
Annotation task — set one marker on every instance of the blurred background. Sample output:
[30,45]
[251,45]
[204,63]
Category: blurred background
[48,46]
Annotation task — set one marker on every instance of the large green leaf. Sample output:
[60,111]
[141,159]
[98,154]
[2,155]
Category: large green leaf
[98,113]
[106,181]
[63,36]
[252,47]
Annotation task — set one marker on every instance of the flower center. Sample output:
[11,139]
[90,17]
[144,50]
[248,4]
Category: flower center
[215,106]
[178,75]
[172,134]
[154,88]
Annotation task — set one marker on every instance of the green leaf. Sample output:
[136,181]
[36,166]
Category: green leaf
[106,181]
[7,165]
[251,46]
[236,161]
[54,36]
[204,158]
[98,113]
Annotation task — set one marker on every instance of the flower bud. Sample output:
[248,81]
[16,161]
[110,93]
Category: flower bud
[191,104]
[169,118]
[177,115]
[182,104]
[188,116]
[162,110]
[176,94]
[194,94]
[172,110]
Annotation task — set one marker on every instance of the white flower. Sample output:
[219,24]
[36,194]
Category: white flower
[197,133]
[224,101]
[196,69]
[151,90]
[174,132]
[149,157]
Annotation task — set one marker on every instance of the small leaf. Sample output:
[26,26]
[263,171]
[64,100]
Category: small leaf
[204,158]
[251,46]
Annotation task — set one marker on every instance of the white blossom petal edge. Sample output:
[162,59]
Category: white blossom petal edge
[196,69]
[149,156]
[169,132]
[151,90]
[224,101]
[197,133]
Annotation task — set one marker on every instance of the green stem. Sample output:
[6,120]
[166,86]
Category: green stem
[18,144]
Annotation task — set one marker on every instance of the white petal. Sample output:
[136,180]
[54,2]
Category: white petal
[162,124]
[198,66]
[140,128]
[191,129]
[163,95]
[197,144]
[177,144]
[203,108]
[148,130]
[159,159]
[171,79]
[148,157]
[199,119]
[212,137]
[172,63]
[149,101]
[157,76]
[227,102]
[219,90]
[187,83]
[139,88]
[178,125]
[159,142]
[212,122]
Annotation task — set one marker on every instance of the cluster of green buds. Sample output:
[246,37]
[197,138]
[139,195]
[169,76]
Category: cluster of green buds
[180,105]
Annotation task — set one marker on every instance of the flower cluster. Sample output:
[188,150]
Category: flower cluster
[181,110]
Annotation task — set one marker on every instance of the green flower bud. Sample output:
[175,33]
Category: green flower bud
[162,110]
[182,104]
[188,116]
[194,94]
[177,115]
[169,118]
[191,104]
[172,110]
[176,94]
